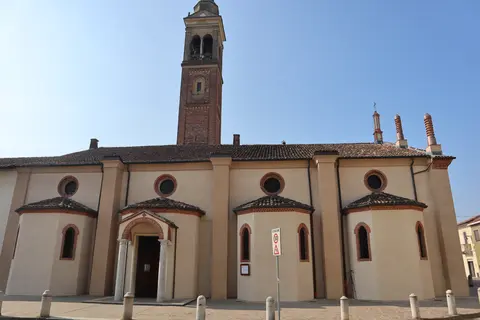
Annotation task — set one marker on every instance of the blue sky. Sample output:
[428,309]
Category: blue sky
[301,71]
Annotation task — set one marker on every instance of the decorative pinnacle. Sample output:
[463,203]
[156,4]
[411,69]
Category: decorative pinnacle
[427,119]
[398,125]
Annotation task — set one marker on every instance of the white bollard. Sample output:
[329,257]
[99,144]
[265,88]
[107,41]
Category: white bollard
[344,313]
[270,308]
[452,306]
[128,306]
[478,293]
[46,304]
[2,295]
[201,304]
[414,306]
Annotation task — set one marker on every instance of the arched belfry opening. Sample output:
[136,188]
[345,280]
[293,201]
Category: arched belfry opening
[208,46]
[195,46]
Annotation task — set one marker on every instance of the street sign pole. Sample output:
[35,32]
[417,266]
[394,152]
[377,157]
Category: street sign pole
[277,252]
[278,287]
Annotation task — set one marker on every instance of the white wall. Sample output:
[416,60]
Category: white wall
[8,180]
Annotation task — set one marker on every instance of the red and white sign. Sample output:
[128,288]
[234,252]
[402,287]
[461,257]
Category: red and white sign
[276,247]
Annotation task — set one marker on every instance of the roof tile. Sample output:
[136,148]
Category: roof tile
[163,203]
[57,203]
[376,199]
[272,202]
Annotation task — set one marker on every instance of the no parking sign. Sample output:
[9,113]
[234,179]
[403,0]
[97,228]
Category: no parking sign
[276,247]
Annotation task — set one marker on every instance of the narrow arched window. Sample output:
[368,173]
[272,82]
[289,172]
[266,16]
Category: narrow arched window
[208,46]
[245,243]
[70,234]
[303,242]
[422,247]
[195,47]
[362,232]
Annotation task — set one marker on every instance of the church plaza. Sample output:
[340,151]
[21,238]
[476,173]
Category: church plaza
[74,308]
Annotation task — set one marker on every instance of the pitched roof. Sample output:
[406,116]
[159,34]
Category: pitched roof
[202,153]
[57,203]
[469,220]
[378,199]
[273,202]
[163,204]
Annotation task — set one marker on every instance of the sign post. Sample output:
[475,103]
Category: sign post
[277,252]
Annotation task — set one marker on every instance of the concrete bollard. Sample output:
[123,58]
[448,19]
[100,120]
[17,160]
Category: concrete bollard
[344,313]
[201,304]
[415,308]
[270,308]
[46,304]
[452,306]
[478,293]
[128,306]
[2,295]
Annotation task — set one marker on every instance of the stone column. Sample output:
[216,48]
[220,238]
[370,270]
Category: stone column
[162,268]
[101,279]
[219,215]
[121,263]
[133,270]
[330,227]
[10,237]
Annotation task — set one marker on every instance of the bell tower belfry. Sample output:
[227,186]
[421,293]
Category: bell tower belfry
[200,110]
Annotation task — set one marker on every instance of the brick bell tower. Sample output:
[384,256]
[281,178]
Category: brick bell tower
[200,114]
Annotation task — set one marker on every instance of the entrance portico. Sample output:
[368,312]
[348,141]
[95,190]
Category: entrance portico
[145,262]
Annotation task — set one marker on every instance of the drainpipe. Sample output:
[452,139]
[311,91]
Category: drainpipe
[174,262]
[342,231]
[128,186]
[314,273]
[96,227]
[413,180]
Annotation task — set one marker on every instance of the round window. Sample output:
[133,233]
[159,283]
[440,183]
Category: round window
[165,185]
[272,184]
[375,181]
[68,186]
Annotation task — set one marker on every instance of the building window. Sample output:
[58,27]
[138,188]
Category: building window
[272,184]
[422,247]
[68,186]
[245,232]
[69,242]
[195,47]
[165,185]
[208,46]
[362,233]
[303,242]
[199,87]
[465,239]
[375,181]
[477,235]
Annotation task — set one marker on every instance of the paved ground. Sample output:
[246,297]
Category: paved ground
[320,309]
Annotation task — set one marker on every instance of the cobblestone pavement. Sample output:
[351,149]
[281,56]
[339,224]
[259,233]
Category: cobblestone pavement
[320,309]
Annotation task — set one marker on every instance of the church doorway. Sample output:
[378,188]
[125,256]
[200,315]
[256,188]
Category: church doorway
[148,254]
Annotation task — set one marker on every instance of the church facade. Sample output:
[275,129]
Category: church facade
[372,220]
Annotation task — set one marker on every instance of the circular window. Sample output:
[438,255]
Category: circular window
[272,184]
[165,185]
[68,186]
[375,181]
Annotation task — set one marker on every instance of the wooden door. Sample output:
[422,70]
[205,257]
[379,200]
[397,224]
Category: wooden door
[148,254]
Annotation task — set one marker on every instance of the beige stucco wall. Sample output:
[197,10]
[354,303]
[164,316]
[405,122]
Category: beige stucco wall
[395,270]
[296,282]
[45,186]
[37,267]
[7,185]
[473,257]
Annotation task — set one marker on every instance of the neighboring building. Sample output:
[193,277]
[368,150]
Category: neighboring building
[469,234]
[371,220]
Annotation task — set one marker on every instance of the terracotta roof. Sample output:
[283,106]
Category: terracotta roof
[273,202]
[163,203]
[57,203]
[200,153]
[471,220]
[378,199]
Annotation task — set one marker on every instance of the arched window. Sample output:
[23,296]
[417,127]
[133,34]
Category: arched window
[69,242]
[245,232]
[422,247]
[208,46]
[195,47]
[303,242]
[362,233]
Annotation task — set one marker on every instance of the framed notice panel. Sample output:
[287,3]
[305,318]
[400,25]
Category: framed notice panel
[245,269]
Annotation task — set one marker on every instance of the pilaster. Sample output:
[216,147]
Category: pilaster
[219,215]
[10,237]
[330,222]
[101,282]
[449,243]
